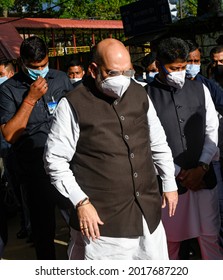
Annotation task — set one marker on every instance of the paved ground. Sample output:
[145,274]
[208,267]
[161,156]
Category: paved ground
[19,249]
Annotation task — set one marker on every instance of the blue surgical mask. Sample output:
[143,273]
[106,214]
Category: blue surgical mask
[3,79]
[150,76]
[192,70]
[34,73]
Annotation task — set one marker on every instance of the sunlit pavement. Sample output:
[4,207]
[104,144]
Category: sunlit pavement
[19,249]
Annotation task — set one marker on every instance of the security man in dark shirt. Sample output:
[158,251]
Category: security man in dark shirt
[27,102]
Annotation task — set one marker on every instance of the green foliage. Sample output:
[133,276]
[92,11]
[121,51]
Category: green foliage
[78,9]
[5,4]
[189,8]
[95,9]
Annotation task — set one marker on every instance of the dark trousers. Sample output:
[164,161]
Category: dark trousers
[41,203]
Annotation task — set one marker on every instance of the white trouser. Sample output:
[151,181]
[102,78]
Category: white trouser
[147,247]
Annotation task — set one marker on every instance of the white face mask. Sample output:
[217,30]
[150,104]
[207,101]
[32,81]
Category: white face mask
[176,79]
[113,86]
[74,80]
[192,70]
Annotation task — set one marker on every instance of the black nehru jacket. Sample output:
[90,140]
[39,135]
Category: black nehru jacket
[113,163]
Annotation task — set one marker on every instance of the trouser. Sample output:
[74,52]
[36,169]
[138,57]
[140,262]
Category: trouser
[218,167]
[41,204]
[3,216]
[209,248]
[147,247]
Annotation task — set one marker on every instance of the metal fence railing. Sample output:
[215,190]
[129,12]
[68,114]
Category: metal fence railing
[60,51]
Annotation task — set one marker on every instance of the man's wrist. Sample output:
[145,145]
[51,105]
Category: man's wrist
[204,166]
[83,202]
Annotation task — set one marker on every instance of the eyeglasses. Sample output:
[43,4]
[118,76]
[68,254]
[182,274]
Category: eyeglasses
[128,73]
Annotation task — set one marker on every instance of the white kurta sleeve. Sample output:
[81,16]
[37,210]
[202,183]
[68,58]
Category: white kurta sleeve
[59,150]
[210,149]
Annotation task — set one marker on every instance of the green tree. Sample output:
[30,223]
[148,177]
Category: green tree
[95,9]
[37,8]
[187,8]
[4,6]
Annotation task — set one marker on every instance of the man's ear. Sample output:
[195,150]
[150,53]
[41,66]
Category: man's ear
[93,70]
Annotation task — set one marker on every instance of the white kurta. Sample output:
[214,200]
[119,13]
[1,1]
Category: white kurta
[197,214]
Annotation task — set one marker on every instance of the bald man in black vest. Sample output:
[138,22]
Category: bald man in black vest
[103,151]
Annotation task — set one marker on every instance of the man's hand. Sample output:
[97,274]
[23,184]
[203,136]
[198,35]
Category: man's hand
[170,198]
[89,221]
[37,90]
[192,178]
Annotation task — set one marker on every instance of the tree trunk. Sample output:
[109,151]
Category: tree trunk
[5,13]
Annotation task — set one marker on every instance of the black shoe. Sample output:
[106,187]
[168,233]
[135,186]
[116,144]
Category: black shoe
[22,234]
[29,239]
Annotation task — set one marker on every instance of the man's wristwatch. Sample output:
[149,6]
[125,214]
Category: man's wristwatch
[204,165]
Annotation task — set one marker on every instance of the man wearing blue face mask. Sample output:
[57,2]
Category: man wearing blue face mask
[27,103]
[216,91]
[6,71]
[193,73]
[149,62]
[188,116]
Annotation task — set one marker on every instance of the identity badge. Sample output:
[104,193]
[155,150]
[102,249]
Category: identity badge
[51,106]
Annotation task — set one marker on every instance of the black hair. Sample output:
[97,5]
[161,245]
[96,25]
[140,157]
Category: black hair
[7,64]
[33,49]
[193,46]
[217,49]
[148,59]
[171,49]
[75,62]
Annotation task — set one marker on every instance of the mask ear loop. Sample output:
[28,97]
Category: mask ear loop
[164,69]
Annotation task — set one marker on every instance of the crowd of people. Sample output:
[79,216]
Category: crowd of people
[131,155]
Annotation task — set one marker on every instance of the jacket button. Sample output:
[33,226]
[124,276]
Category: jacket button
[135,174]
[137,193]
[126,137]
[122,118]
[132,155]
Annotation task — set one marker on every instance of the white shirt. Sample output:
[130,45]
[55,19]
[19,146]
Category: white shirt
[61,146]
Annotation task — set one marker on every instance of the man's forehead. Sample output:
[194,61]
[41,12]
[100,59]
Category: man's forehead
[220,54]
[74,68]
[195,53]
[2,69]
[177,63]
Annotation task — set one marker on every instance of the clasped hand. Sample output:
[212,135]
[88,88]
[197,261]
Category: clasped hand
[192,178]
